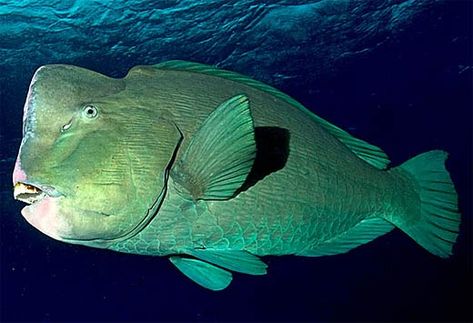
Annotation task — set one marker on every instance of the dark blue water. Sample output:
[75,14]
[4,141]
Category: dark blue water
[409,93]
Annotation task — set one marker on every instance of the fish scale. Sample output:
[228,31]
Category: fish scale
[214,170]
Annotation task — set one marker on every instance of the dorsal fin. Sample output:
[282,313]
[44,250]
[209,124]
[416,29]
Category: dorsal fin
[369,153]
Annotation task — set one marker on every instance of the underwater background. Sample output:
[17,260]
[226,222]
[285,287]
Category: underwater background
[395,73]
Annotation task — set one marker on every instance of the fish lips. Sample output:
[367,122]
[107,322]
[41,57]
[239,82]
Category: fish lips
[43,209]
[31,193]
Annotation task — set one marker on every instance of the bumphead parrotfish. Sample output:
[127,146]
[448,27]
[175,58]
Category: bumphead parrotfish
[214,170]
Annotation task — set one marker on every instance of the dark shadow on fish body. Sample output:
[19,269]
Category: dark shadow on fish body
[272,150]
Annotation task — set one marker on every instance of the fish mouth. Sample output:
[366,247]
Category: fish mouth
[33,193]
[42,211]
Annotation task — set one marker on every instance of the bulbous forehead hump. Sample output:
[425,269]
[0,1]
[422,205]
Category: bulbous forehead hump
[57,90]
[60,84]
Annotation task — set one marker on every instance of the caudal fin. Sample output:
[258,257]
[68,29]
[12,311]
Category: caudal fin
[436,228]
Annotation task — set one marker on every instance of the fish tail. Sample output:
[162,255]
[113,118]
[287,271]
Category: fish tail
[431,218]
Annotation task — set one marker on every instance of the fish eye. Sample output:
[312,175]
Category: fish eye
[90,111]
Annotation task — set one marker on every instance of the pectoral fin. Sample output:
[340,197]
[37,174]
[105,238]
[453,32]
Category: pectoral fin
[220,155]
[204,274]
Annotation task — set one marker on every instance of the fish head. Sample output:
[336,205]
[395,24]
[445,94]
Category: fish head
[91,162]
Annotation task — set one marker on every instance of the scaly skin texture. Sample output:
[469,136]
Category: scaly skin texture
[213,169]
[322,190]
[256,223]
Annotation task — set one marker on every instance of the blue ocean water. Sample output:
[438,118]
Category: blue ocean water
[397,74]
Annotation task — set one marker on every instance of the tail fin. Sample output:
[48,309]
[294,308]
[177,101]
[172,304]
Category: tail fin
[437,227]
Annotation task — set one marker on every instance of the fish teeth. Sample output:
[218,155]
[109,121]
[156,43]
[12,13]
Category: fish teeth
[27,193]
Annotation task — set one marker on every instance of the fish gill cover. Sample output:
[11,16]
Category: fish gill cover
[394,73]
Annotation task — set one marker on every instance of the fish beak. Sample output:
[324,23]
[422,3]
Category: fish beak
[27,193]
[43,210]
[30,193]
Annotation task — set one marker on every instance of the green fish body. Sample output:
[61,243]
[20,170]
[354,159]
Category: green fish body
[213,169]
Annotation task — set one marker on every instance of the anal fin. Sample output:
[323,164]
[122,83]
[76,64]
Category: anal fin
[364,232]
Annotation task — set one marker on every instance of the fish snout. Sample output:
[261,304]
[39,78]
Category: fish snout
[19,174]
[26,189]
